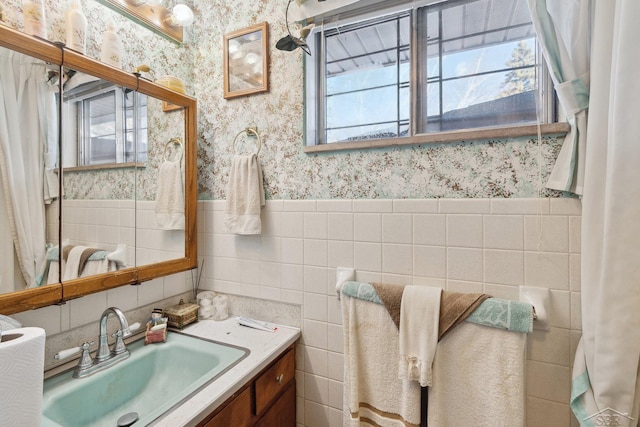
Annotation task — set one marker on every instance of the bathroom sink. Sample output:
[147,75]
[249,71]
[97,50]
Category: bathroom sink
[153,380]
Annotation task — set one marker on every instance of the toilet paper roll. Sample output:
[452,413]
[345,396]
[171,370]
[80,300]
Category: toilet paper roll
[21,376]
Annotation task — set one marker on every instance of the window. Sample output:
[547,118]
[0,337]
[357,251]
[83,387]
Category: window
[454,65]
[110,124]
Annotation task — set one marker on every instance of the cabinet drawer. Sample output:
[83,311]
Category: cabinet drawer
[237,413]
[271,382]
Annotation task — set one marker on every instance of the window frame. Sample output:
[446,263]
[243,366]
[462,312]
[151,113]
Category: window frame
[82,134]
[315,90]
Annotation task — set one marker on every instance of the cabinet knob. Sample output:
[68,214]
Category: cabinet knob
[279,378]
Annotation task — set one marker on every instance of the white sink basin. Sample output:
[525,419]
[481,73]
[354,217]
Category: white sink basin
[152,381]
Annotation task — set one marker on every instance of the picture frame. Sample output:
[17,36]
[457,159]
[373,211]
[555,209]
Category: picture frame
[246,61]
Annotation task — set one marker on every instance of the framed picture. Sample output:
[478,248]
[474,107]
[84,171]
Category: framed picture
[246,61]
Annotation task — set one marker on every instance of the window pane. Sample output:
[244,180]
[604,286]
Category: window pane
[102,128]
[486,74]
[367,80]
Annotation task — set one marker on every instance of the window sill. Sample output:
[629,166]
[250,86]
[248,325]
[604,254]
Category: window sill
[442,137]
[129,165]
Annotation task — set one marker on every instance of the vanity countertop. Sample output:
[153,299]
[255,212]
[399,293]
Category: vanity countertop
[265,347]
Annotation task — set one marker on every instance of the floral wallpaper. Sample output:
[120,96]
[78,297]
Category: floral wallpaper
[467,169]
[495,168]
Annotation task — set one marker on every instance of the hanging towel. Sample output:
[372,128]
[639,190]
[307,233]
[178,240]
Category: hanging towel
[170,197]
[72,264]
[478,378]
[373,393]
[245,196]
[419,321]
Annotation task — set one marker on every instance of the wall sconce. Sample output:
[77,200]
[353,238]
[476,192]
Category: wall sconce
[152,15]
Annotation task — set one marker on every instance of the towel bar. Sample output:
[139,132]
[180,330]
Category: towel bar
[248,131]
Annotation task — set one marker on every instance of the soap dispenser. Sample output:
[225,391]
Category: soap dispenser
[34,19]
[76,28]
[111,52]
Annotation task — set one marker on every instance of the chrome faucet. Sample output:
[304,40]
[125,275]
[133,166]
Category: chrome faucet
[105,357]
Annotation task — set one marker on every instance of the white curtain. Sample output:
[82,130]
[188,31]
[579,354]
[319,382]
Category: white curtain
[25,109]
[605,375]
[562,27]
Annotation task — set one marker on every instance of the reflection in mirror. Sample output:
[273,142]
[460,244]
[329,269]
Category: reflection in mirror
[28,179]
[160,203]
[104,142]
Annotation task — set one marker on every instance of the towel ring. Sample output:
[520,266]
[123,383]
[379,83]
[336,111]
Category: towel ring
[174,141]
[248,131]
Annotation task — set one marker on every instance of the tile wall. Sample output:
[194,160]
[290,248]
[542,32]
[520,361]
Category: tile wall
[467,245]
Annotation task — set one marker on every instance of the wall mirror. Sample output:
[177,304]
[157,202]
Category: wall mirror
[106,143]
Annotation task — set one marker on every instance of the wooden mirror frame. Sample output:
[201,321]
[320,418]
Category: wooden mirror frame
[30,299]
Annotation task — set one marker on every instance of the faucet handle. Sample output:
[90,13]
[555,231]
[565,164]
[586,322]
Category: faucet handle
[64,354]
[129,331]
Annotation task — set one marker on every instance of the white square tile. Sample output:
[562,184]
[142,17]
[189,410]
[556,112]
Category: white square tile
[269,293]
[429,261]
[174,284]
[429,281]
[502,291]
[576,311]
[575,241]
[335,396]
[271,223]
[126,297]
[462,206]
[464,287]
[548,270]
[315,225]
[316,389]
[292,251]
[366,205]
[271,249]
[397,259]
[543,413]
[415,205]
[292,277]
[340,226]
[429,230]
[336,205]
[315,414]
[559,309]
[537,206]
[87,309]
[48,318]
[565,206]
[397,279]
[340,254]
[149,292]
[464,264]
[293,224]
[248,247]
[335,338]
[335,311]
[574,272]
[249,272]
[314,333]
[503,232]
[315,307]
[367,227]
[336,366]
[546,233]
[299,206]
[270,274]
[315,361]
[550,346]
[397,228]
[316,252]
[504,267]
[291,297]
[464,231]
[315,280]
[548,381]
[368,256]
[273,205]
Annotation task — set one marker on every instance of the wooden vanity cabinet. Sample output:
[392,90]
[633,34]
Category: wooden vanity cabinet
[268,400]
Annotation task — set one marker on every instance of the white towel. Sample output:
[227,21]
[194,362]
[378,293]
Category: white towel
[245,196]
[373,393]
[419,321]
[170,197]
[73,263]
[478,378]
